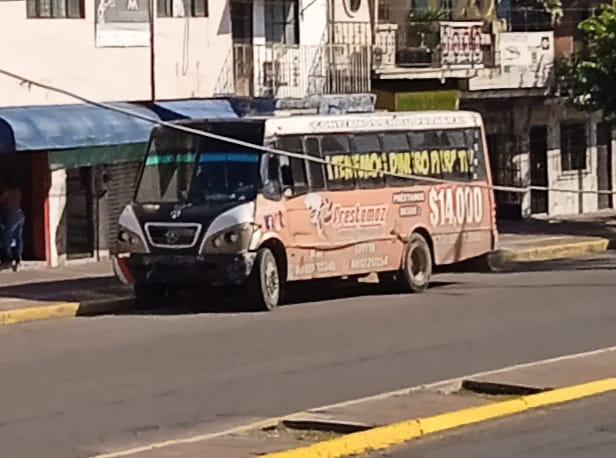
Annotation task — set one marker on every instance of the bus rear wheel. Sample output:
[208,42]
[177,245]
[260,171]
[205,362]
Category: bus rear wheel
[417,268]
[266,282]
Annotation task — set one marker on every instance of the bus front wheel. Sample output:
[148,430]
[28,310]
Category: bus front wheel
[266,281]
[417,268]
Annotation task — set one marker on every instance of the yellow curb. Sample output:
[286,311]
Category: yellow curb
[387,436]
[45,312]
[546,253]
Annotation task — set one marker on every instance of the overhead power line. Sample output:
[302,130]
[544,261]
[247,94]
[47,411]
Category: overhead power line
[155,121]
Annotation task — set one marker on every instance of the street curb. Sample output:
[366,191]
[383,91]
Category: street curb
[66,310]
[386,436]
[572,249]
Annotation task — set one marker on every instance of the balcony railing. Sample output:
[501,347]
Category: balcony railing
[439,44]
[283,71]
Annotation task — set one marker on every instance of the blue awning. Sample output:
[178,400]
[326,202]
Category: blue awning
[57,127]
[61,127]
[194,109]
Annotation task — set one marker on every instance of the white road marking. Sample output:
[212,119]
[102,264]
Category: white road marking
[447,385]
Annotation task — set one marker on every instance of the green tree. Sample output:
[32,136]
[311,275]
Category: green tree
[588,80]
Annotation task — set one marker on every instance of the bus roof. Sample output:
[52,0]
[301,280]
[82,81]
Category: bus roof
[366,122]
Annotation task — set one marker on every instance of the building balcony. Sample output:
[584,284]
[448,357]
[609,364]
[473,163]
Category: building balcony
[428,48]
[486,57]
[295,71]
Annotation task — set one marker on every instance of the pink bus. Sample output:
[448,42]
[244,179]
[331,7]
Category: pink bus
[209,212]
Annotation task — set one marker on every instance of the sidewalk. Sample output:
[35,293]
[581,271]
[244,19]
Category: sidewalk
[66,291]
[542,239]
[89,289]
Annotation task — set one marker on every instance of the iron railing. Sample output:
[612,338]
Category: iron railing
[433,44]
[287,71]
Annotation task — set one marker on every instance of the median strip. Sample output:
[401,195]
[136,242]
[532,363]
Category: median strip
[386,436]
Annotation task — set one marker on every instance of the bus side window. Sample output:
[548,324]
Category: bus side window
[293,144]
[475,141]
[368,147]
[397,142]
[316,174]
[430,143]
[340,173]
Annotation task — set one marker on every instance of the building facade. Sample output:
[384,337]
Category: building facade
[499,59]
[78,164]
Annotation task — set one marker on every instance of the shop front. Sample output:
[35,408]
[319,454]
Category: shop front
[77,166]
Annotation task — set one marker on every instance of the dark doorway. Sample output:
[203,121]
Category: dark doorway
[538,168]
[30,170]
[79,215]
[242,32]
[604,164]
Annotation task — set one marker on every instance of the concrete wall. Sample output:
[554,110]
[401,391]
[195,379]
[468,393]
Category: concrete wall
[515,118]
[561,203]
[62,52]
[313,23]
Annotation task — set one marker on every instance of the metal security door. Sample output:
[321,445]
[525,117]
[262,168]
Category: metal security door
[539,168]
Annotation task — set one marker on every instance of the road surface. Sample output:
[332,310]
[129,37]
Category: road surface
[585,429]
[72,388]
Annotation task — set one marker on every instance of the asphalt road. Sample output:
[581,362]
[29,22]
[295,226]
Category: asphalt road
[72,388]
[582,429]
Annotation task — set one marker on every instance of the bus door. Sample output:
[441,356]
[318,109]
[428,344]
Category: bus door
[298,234]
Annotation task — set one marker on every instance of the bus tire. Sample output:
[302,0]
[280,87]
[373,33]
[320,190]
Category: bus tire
[417,267]
[266,282]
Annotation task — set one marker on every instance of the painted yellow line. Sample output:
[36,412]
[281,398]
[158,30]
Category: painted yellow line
[44,312]
[387,436]
[557,251]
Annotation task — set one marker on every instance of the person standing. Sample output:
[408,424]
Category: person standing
[13,219]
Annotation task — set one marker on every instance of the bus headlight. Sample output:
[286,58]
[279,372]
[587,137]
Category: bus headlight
[231,240]
[128,241]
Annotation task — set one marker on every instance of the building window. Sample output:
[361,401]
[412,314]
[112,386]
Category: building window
[182,8]
[281,22]
[60,9]
[573,145]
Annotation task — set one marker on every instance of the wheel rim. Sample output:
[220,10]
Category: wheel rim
[271,280]
[418,264]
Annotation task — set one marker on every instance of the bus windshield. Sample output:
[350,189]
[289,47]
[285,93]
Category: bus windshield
[182,167]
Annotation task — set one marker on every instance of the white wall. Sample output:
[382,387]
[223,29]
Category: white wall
[313,22]
[563,203]
[62,52]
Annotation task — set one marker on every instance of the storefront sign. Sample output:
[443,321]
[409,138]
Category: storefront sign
[122,23]
[528,51]
[461,44]
[526,61]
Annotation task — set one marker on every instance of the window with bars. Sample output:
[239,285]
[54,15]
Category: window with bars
[281,22]
[55,9]
[182,8]
[573,143]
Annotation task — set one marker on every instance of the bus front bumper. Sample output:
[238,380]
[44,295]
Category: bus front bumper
[218,269]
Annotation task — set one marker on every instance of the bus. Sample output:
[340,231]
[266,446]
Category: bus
[394,194]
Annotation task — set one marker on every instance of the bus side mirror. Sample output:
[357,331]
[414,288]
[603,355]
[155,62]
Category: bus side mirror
[287,176]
